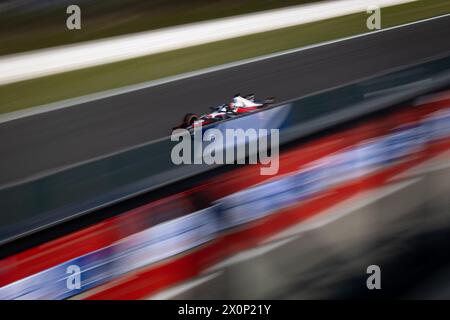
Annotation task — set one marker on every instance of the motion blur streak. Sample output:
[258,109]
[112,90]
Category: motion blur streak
[142,252]
[50,61]
[94,206]
[103,126]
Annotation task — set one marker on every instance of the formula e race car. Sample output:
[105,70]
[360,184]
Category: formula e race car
[240,105]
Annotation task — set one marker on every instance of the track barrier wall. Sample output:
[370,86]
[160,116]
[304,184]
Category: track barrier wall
[170,240]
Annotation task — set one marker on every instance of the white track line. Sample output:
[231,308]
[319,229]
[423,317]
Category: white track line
[186,286]
[144,85]
[29,65]
[328,216]
[437,163]
[343,209]
[249,254]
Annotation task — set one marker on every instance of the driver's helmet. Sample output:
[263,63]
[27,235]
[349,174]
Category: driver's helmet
[231,106]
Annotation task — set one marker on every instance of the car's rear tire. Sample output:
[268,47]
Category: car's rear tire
[190,118]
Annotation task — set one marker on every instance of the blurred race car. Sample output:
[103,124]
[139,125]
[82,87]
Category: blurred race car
[240,105]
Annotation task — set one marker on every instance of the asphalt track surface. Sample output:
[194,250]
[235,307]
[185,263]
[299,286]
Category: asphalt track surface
[37,144]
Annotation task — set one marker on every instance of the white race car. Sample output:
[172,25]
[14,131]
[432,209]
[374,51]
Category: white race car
[240,105]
